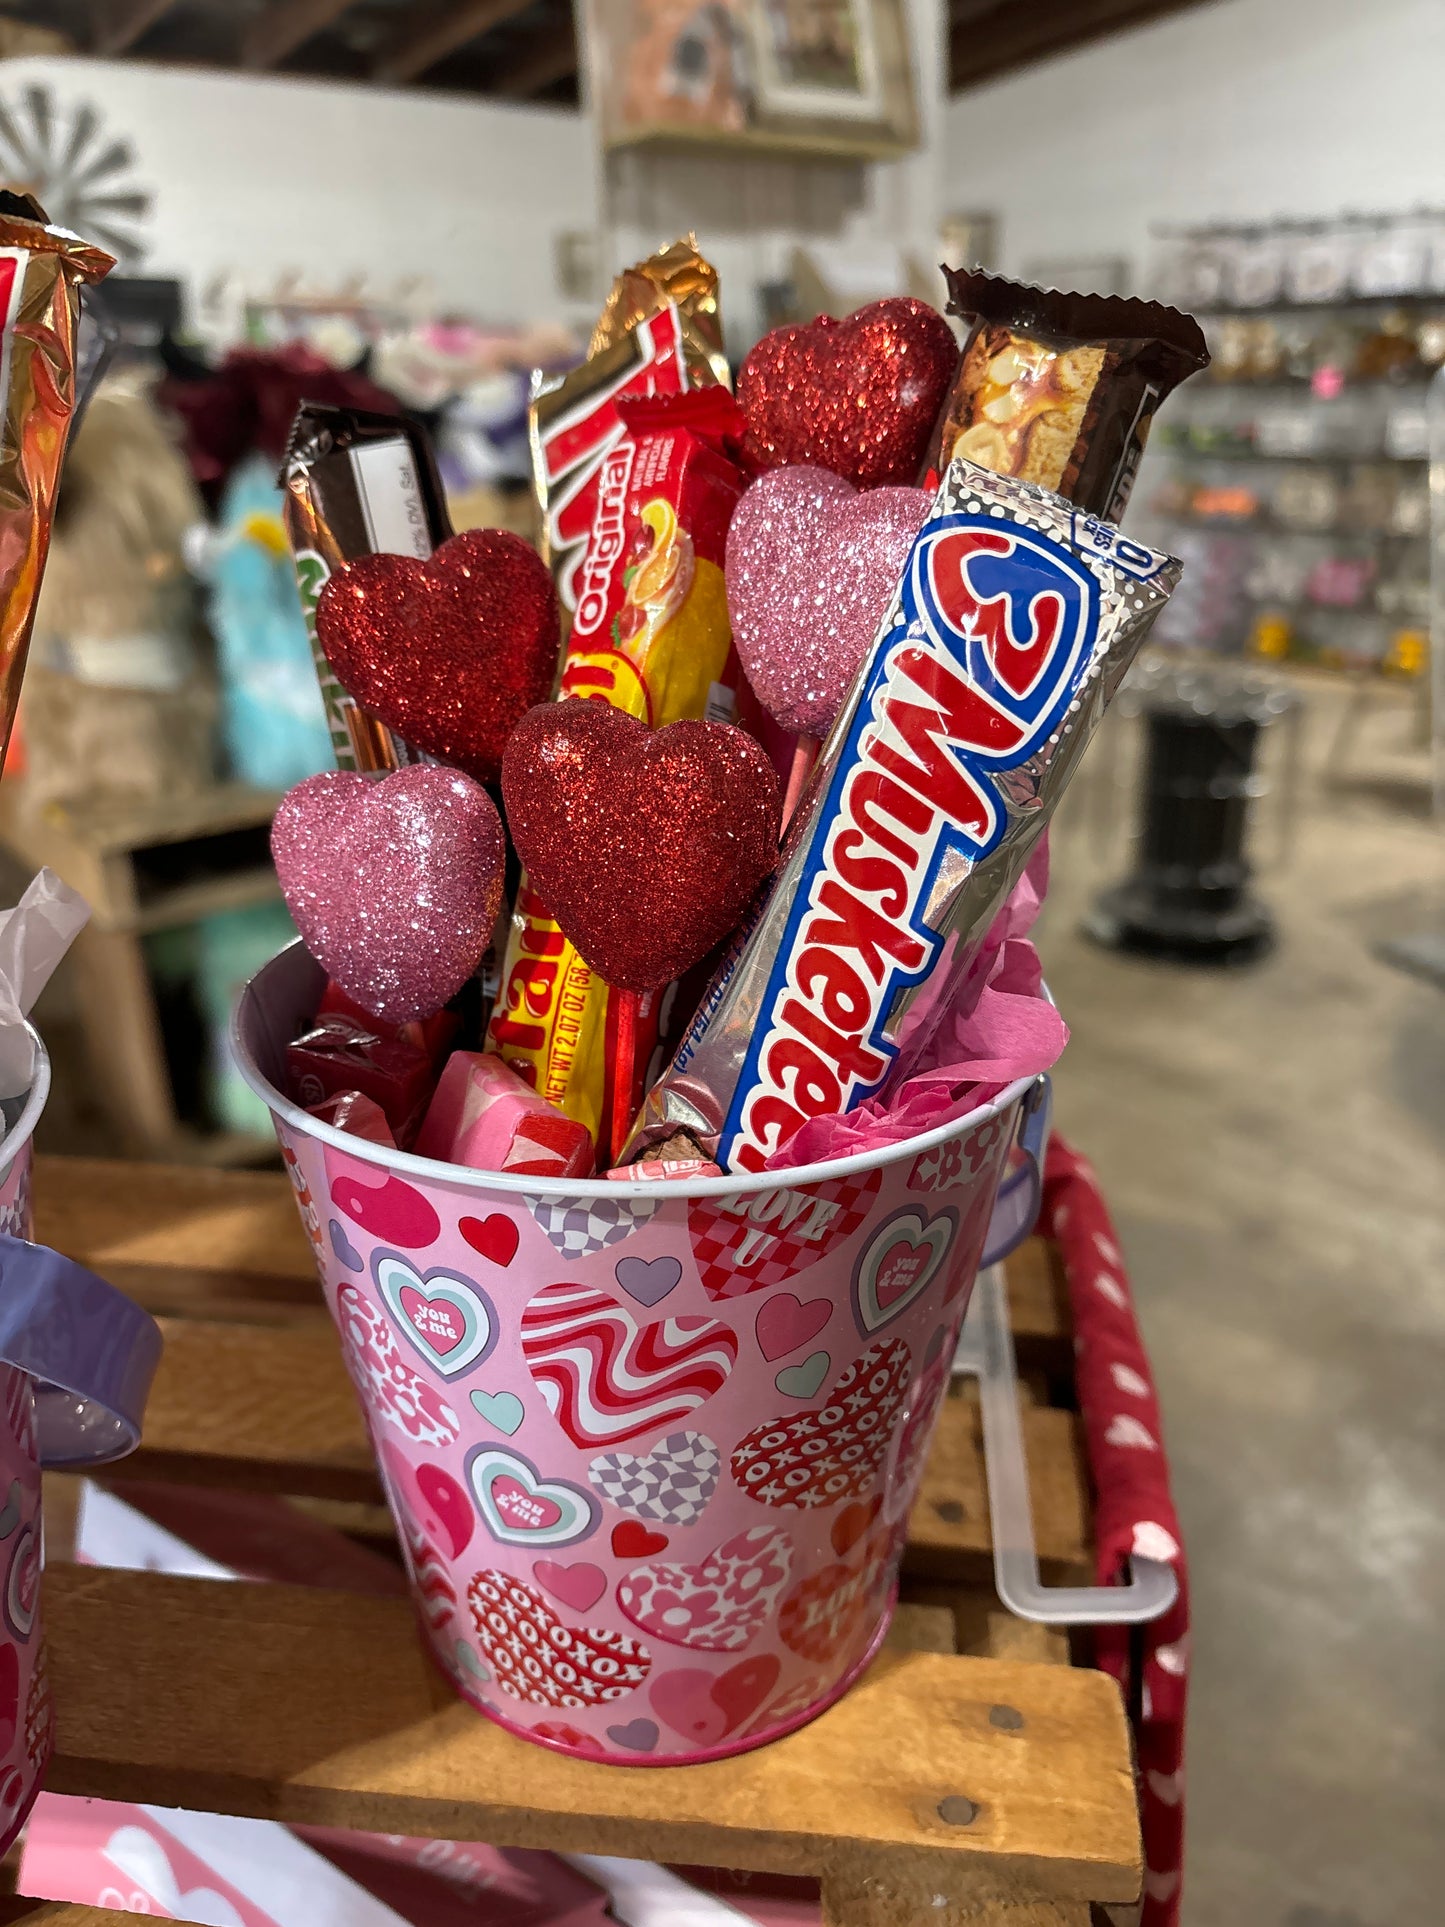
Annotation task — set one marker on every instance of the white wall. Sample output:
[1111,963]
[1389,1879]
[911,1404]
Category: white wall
[258,177]
[1234,110]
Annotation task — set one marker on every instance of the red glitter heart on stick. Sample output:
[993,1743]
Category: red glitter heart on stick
[449,652]
[646,845]
[859,397]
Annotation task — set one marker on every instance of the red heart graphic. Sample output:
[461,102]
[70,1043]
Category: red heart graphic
[858,396]
[450,652]
[784,1323]
[451,1514]
[539,1660]
[706,1707]
[717,1605]
[633,1541]
[756,1239]
[851,1523]
[494,1237]
[392,1211]
[836,1451]
[646,845]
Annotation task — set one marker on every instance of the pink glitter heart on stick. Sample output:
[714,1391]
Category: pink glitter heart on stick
[811,568]
[394,883]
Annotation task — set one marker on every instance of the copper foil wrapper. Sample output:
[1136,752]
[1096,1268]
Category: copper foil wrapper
[678,274]
[1060,389]
[659,334]
[1014,623]
[42,269]
[356,484]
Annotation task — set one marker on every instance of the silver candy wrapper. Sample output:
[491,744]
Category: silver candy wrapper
[1015,621]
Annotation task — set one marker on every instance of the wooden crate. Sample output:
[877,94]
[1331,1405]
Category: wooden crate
[145,868]
[967,1777]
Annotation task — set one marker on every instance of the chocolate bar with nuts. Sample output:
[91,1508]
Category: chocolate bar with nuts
[1060,389]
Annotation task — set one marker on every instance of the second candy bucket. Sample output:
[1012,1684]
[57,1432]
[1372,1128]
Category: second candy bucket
[650,1448]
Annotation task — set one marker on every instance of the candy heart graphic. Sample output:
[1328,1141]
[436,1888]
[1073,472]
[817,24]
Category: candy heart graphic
[811,569]
[851,1523]
[836,1452]
[521,1508]
[538,1659]
[502,1409]
[606,1378]
[448,1319]
[672,1484]
[897,1263]
[578,1586]
[718,1604]
[801,1381]
[706,1707]
[648,1280]
[632,1540]
[392,1392]
[859,397]
[345,1250]
[758,1239]
[495,1237]
[450,652]
[593,800]
[785,1323]
[393,883]
[384,1207]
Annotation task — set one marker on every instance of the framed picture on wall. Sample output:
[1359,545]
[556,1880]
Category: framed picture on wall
[812,76]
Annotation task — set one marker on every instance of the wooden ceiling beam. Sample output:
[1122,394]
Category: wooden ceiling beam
[439,34]
[536,66]
[278,30]
[987,43]
[119,24]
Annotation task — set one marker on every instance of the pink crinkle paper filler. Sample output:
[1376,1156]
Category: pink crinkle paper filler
[1001,1027]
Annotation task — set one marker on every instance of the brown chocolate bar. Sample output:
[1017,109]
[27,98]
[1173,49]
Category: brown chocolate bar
[1060,389]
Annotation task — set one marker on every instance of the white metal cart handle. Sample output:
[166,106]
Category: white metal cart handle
[986,1350]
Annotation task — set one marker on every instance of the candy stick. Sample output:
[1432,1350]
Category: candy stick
[620,1091]
[805,754]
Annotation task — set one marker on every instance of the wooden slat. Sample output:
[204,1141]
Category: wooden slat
[19,1912]
[320,1708]
[101,1211]
[436,34]
[120,23]
[988,42]
[285,25]
[542,62]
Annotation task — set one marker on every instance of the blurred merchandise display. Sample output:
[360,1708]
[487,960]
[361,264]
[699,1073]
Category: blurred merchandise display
[1293,477]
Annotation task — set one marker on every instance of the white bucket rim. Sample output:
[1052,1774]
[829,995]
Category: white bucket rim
[586,1190]
[16,1139]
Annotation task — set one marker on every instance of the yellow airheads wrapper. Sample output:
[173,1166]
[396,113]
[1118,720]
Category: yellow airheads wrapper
[651,637]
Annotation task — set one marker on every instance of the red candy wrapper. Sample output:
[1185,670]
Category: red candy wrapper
[484,1117]
[337,1055]
[434,1034]
[362,1116]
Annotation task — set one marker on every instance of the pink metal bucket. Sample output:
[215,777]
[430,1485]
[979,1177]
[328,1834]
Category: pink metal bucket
[650,1449]
[76,1361]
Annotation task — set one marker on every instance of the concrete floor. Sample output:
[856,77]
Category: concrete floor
[1272,1144]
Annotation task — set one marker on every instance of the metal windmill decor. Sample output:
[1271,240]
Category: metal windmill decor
[82,176]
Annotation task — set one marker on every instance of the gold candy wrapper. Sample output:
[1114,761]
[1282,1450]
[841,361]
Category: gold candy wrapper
[659,334]
[42,269]
[678,274]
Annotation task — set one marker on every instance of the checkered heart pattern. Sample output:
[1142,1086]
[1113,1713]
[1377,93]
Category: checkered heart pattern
[768,1237]
[673,1483]
[582,1230]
